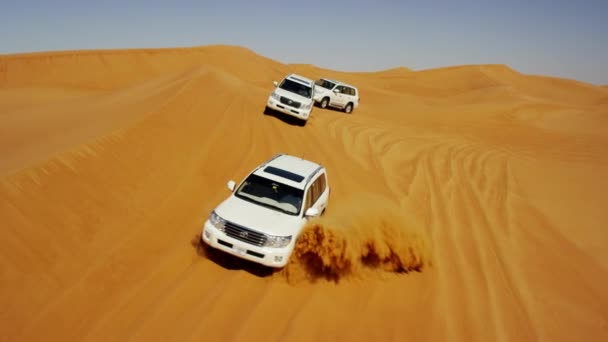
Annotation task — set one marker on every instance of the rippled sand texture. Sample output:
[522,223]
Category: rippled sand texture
[468,203]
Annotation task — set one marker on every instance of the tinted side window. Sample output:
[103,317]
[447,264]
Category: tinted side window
[321,181]
[315,191]
[309,202]
[311,195]
[320,186]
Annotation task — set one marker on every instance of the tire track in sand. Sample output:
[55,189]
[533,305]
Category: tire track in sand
[471,272]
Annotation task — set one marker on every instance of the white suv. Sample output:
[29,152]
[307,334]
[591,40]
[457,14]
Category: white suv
[262,218]
[336,94]
[293,96]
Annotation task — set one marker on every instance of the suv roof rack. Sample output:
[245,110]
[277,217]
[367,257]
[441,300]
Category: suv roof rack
[271,159]
[302,79]
[313,174]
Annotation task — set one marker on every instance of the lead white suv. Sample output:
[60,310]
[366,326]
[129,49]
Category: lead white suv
[262,218]
[336,94]
[293,96]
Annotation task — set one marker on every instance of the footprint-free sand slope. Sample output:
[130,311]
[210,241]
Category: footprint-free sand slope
[111,161]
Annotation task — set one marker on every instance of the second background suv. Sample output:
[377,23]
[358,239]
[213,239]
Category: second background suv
[336,94]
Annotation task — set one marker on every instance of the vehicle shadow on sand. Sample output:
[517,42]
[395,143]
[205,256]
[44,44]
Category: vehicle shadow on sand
[290,120]
[228,261]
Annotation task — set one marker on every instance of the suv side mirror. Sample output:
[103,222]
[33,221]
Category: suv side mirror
[336,91]
[231,185]
[312,212]
[276,84]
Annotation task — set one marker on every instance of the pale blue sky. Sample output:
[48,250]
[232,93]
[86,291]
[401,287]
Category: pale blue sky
[555,38]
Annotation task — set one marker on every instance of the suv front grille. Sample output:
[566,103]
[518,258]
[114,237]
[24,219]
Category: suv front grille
[289,102]
[244,234]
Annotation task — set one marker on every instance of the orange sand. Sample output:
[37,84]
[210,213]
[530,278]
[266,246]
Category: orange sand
[110,161]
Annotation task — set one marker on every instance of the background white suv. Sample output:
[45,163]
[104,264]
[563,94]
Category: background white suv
[293,96]
[262,218]
[336,94]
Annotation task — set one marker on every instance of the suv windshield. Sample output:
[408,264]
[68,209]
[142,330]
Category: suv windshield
[325,84]
[271,194]
[296,87]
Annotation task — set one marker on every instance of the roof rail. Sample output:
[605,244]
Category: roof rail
[275,157]
[313,174]
[269,160]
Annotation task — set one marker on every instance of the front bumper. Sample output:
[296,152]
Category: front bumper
[299,113]
[268,256]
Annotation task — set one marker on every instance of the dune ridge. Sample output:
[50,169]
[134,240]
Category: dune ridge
[486,221]
[110,69]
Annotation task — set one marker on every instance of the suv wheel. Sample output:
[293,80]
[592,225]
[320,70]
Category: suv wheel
[349,108]
[324,102]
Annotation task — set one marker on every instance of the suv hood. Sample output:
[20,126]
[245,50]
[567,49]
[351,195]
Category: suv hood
[257,217]
[294,96]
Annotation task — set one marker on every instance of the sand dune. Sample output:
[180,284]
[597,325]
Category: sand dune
[485,218]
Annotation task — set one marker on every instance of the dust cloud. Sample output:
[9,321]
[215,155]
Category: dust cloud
[362,237]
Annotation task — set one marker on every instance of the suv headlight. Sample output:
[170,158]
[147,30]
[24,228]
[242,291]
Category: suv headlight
[277,241]
[275,96]
[306,106]
[217,221]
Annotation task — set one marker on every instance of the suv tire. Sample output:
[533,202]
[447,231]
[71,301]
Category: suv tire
[349,108]
[324,102]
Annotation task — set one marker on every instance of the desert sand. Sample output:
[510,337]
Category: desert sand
[488,186]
